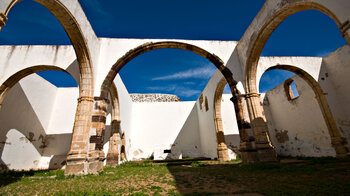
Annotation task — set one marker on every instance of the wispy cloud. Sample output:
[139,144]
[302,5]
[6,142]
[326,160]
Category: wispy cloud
[273,78]
[176,90]
[97,7]
[200,73]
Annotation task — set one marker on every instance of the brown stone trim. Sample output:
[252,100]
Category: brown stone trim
[85,98]
[3,19]
[95,139]
[102,99]
[98,118]
[249,95]
[344,27]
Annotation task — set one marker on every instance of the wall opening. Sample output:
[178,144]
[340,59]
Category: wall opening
[290,89]
[298,120]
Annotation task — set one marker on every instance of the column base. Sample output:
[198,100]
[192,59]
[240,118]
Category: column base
[267,155]
[339,145]
[222,153]
[82,165]
[112,159]
[85,167]
[249,157]
[248,153]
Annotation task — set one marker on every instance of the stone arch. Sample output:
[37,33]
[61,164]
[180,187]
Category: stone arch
[257,44]
[115,103]
[338,142]
[115,142]
[219,129]
[15,78]
[219,64]
[77,161]
[250,48]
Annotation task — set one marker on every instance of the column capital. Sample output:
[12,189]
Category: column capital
[249,95]
[85,98]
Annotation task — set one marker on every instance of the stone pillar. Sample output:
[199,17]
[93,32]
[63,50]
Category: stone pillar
[98,126]
[78,155]
[3,19]
[265,150]
[220,136]
[115,143]
[247,141]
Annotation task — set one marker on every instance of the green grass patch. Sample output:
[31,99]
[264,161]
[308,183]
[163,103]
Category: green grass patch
[315,176]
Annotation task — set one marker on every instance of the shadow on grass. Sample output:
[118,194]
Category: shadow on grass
[9,176]
[315,176]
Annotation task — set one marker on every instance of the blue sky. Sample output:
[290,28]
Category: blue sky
[307,33]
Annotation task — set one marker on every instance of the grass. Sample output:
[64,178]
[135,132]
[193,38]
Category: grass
[314,176]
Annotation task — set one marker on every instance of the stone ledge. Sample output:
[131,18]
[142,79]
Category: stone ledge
[154,98]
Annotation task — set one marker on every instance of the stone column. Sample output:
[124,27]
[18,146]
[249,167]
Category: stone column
[220,136]
[98,126]
[115,143]
[265,150]
[78,155]
[247,141]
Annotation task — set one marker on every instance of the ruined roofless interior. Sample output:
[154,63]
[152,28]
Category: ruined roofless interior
[100,123]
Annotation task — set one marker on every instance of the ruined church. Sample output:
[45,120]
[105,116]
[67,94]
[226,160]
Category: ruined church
[99,123]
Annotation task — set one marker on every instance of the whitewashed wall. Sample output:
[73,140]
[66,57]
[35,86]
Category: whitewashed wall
[334,80]
[37,120]
[297,127]
[156,127]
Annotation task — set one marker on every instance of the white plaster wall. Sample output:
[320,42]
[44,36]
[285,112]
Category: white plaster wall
[23,120]
[41,95]
[17,58]
[37,120]
[64,108]
[229,122]
[156,127]
[297,127]
[126,113]
[206,118]
[334,79]
[311,65]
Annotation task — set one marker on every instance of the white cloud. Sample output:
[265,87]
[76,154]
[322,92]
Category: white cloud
[176,90]
[201,72]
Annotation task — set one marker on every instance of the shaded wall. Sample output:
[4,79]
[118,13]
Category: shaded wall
[29,137]
[297,127]
[335,79]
